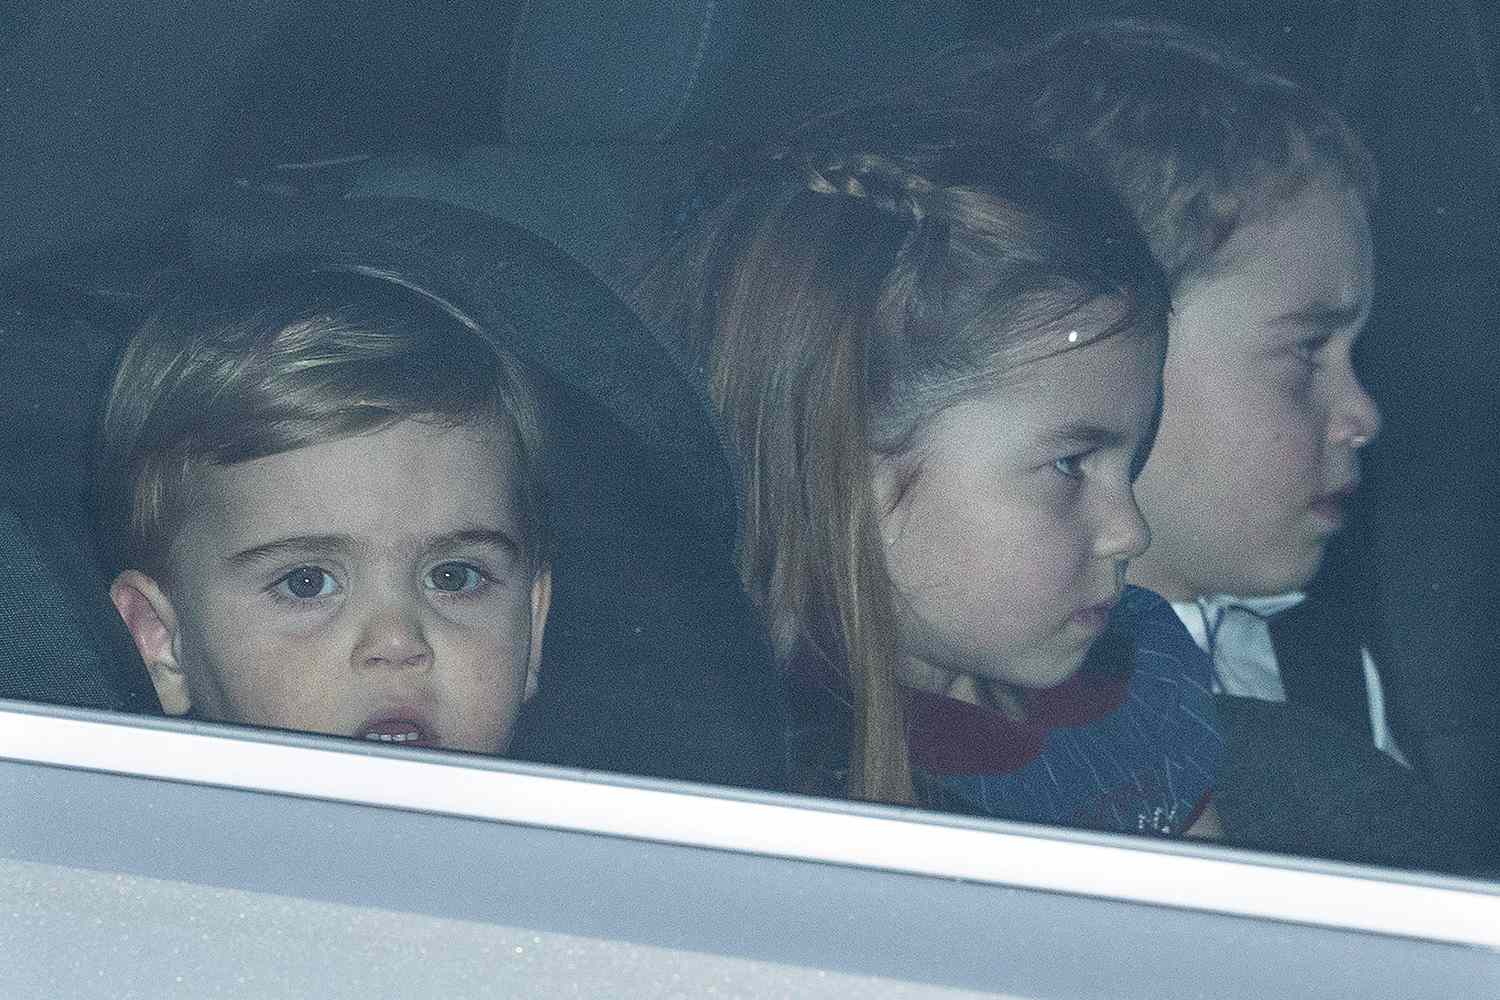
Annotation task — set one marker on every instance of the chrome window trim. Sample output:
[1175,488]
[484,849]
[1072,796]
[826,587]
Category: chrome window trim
[1176,875]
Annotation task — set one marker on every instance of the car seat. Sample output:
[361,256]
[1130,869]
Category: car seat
[62,640]
[609,111]
[654,663]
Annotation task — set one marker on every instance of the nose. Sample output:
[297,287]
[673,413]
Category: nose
[1356,419]
[1123,532]
[393,636]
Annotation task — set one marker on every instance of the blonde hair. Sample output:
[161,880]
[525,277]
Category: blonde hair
[239,365]
[834,305]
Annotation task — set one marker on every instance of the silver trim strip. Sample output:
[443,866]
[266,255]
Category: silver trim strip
[1149,874]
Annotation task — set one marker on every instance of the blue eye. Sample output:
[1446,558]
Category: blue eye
[455,578]
[306,583]
[1071,465]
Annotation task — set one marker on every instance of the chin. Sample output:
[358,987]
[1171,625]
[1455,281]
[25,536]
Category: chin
[1043,675]
[1055,681]
[1267,581]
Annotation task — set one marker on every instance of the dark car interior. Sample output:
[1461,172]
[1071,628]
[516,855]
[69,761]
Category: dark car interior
[465,138]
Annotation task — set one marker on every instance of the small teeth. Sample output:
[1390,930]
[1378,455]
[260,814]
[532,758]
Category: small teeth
[392,737]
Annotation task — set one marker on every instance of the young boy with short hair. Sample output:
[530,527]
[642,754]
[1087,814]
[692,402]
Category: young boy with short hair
[320,488]
[1255,198]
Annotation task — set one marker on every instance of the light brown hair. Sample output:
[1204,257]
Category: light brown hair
[235,365]
[1195,137]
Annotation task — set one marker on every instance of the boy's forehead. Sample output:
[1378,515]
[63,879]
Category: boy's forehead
[1313,251]
[411,478]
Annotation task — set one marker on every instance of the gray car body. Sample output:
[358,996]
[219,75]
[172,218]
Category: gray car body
[168,858]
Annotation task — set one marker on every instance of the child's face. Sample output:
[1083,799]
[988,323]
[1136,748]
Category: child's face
[374,587]
[1264,415]
[1007,549]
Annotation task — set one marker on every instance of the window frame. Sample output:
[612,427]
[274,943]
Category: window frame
[1185,875]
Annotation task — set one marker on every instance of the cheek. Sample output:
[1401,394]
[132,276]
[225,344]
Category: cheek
[472,657]
[481,681]
[997,566]
[1175,472]
[486,653]
[1061,553]
[1227,444]
[1276,449]
[265,657]
[939,548]
[1047,571]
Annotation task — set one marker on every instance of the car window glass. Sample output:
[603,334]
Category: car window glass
[397,156]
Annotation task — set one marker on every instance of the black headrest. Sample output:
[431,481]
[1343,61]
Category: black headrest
[90,147]
[52,652]
[566,321]
[334,81]
[706,69]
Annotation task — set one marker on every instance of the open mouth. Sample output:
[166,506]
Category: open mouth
[404,732]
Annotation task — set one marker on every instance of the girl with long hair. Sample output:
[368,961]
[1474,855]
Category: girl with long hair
[938,376]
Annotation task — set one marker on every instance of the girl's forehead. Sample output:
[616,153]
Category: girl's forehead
[1109,384]
[1053,362]
[1101,318]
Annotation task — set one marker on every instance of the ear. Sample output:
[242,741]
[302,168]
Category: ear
[541,603]
[148,614]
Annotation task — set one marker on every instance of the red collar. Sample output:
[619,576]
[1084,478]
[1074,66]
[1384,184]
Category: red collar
[948,736]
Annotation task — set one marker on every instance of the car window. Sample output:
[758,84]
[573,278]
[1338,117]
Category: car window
[512,181]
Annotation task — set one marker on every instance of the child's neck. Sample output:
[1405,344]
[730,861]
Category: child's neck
[1005,698]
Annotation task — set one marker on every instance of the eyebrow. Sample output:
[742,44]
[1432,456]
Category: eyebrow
[473,538]
[1081,435]
[344,545]
[1324,314]
[296,544]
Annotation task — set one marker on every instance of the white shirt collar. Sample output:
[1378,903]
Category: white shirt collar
[1245,660]
[1234,631]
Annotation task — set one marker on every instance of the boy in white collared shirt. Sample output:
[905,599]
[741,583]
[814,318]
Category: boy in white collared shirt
[1255,198]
